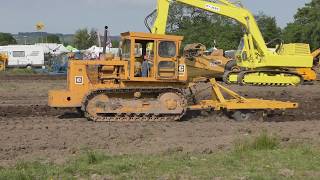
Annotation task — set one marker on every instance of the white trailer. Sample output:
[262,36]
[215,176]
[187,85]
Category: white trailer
[24,55]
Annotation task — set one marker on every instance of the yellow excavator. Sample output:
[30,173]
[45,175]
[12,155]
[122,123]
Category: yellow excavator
[3,61]
[288,64]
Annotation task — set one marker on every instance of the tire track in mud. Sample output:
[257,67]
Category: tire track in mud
[31,77]
[20,111]
[13,111]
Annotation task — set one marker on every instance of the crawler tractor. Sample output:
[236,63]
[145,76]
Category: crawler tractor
[144,84]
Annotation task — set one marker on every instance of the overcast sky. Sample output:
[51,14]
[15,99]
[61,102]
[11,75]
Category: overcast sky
[66,16]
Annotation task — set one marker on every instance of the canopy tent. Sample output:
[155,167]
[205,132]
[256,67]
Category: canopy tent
[98,50]
[53,48]
[72,49]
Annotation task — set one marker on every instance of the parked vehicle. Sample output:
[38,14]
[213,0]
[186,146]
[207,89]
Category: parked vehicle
[24,55]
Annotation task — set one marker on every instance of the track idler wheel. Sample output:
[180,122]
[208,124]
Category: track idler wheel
[94,106]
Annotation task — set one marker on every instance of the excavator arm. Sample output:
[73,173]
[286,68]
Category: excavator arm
[253,37]
[316,58]
[316,53]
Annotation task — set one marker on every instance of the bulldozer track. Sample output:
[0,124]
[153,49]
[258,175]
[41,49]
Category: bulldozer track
[133,117]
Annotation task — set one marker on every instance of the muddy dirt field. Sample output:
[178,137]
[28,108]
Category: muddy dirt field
[30,130]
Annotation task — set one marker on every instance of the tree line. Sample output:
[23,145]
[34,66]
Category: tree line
[198,26]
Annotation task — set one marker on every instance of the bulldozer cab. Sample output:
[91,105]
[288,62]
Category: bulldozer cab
[152,57]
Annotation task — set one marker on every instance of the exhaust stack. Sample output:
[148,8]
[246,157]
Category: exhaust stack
[105,39]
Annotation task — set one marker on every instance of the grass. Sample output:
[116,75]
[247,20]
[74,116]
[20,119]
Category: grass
[262,142]
[258,158]
[19,71]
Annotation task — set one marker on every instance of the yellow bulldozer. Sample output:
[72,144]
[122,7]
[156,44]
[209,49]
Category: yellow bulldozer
[3,61]
[144,84]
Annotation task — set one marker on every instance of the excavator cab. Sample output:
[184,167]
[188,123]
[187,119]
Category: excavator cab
[241,53]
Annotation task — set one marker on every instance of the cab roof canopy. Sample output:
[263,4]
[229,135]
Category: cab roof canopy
[143,35]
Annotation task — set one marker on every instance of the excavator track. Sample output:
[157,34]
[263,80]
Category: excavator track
[269,78]
[230,77]
[263,78]
[115,97]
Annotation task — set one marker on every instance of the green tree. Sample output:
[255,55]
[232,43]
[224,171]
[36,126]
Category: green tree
[115,43]
[204,27]
[83,39]
[7,39]
[198,26]
[52,38]
[306,26]
[268,27]
[93,39]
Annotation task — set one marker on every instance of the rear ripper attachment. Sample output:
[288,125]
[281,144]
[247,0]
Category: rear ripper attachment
[238,107]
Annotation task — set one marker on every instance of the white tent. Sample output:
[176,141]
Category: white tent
[96,51]
[53,48]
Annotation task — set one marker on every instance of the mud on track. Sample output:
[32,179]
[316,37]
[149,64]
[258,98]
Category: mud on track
[31,130]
